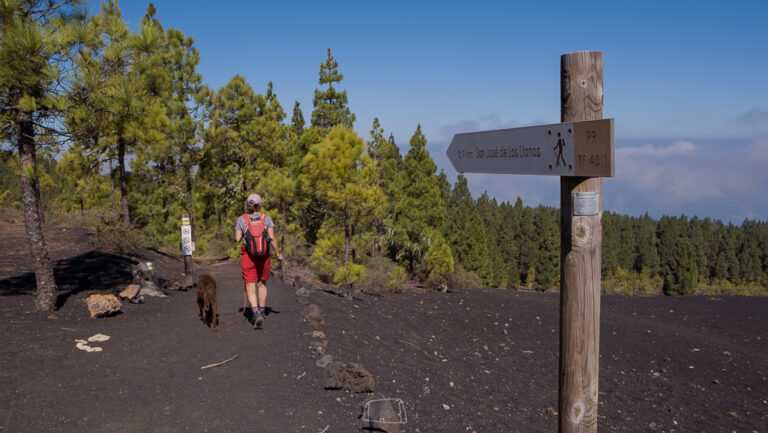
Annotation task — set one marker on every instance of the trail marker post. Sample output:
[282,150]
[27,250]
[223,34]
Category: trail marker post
[187,248]
[581,151]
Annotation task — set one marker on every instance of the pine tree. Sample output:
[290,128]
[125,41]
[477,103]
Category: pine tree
[244,141]
[297,120]
[341,174]
[34,46]
[628,240]
[490,213]
[465,231]
[696,235]
[750,254]
[611,244]
[677,257]
[389,163]
[118,102]
[386,155]
[507,246]
[683,275]
[647,255]
[547,259]
[330,104]
[183,108]
[525,239]
[418,206]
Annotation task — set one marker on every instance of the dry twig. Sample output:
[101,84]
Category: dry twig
[218,363]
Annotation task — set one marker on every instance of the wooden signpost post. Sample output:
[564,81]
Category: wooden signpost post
[581,151]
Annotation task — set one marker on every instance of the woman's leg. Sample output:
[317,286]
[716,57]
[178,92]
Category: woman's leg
[250,290]
[262,292]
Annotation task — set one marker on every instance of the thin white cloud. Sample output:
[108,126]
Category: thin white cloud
[679,147]
[481,123]
[684,173]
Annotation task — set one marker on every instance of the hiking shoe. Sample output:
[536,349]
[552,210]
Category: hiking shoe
[258,321]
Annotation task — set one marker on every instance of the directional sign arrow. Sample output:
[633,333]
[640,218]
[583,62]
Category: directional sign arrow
[560,149]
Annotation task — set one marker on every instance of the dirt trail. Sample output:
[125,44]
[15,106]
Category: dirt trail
[469,360]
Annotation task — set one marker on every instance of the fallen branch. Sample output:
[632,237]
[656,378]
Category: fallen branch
[409,343]
[218,363]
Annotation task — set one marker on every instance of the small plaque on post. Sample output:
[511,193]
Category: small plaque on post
[586,203]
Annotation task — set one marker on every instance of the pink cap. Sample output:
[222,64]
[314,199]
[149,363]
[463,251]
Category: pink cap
[254,198]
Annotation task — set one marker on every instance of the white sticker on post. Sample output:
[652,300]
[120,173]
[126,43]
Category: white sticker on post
[586,203]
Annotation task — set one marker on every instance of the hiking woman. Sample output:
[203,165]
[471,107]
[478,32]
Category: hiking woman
[255,231]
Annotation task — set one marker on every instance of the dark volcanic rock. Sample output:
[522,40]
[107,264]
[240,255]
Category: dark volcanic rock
[350,377]
[313,316]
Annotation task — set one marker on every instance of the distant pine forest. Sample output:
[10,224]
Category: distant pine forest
[114,129]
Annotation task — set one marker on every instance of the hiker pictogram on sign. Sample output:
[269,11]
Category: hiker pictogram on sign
[559,150]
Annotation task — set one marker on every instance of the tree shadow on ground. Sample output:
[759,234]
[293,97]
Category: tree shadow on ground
[95,270]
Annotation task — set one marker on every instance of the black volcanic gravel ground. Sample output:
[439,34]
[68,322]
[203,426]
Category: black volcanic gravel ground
[468,360]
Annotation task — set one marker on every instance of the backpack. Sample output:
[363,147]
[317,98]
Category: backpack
[256,236]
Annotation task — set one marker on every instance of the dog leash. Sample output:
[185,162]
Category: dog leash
[243,315]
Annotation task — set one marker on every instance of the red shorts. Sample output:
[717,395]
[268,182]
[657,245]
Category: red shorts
[254,270]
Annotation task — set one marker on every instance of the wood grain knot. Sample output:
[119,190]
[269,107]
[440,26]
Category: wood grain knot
[576,413]
[580,231]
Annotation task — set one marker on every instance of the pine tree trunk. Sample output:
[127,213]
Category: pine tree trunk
[188,180]
[347,248]
[39,196]
[112,188]
[123,180]
[282,241]
[45,299]
[347,243]
[164,196]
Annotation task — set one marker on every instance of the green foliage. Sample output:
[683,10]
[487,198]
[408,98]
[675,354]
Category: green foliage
[9,177]
[381,274]
[464,278]
[646,255]
[725,287]
[339,175]
[438,260]
[465,230]
[330,104]
[350,275]
[326,257]
[297,120]
[632,283]
[143,130]
[418,205]
[683,274]
[530,279]
[547,261]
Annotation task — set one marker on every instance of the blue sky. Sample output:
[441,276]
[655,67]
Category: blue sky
[685,81]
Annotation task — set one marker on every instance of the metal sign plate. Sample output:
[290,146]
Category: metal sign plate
[586,203]
[187,246]
[560,149]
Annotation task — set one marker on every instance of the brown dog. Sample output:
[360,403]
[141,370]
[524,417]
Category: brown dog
[206,300]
